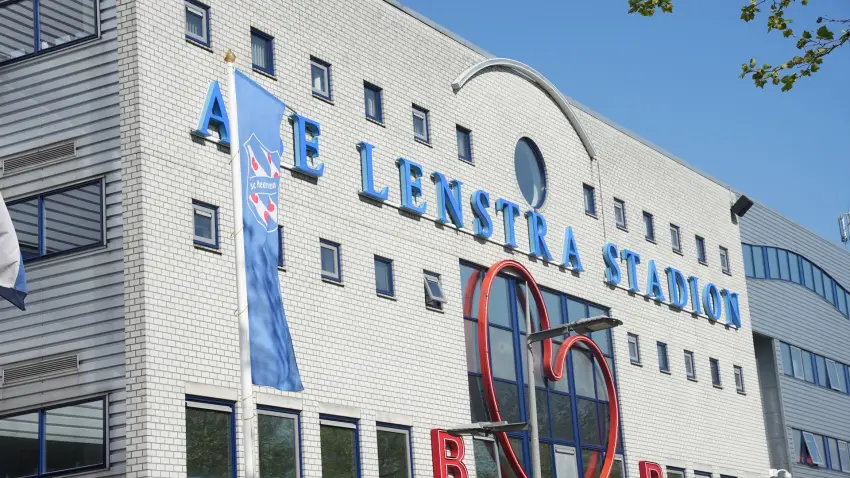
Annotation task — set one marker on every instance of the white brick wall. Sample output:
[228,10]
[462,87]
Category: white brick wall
[353,347]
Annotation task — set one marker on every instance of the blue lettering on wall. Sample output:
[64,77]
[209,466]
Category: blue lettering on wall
[410,176]
[537,235]
[613,275]
[571,258]
[448,200]
[214,114]
[733,311]
[677,286]
[482,224]
[653,283]
[693,284]
[509,212]
[711,301]
[632,260]
[367,180]
[307,150]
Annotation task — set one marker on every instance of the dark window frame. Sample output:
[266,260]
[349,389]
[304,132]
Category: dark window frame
[589,209]
[207,42]
[634,360]
[649,228]
[426,118]
[379,102]
[725,264]
[714,367]
[665,365]
[223,403]
[702,254]
[390,280]
[739,379]
[281,257]
[285,413]
[338,255]
[400,429]
[690,359]
[323,65]
[201,241]
[460,130]
[270,53]
[677,248]
[344,422]
[625,225]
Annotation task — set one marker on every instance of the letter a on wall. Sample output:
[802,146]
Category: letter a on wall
[447,454]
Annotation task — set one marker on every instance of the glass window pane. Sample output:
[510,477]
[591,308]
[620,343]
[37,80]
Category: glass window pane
[601,390]
[73,219]
[592,461]
[25,219]
[19,30]
[553,308]
[787,362]
[794,266]
[562,417]
[195,23]
[808,275]
[546,461]
[820,363]
[462,143]
[844,454]
[808,368]
[588,422]
[576,310]
[589,200]
[59,23]
[339,458]
[329,265]
[203,225]
[783,265]
[827,289]
[773,262]
[74,436]
[530,172]
[261,52]
[470,330]
[470,280]
[797,361]
[478,407]
[507,471]
[542,411]
[499,310]
[208,440]
[19,438]
[393,454]
[485,458]
[319,78]
[278,446]
[818,281]
[748,261]
[583,372]
[502,354]
[507,396]
[758,262]
[383,276]
[834,460]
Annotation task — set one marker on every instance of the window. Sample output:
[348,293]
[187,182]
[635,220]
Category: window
[59,222]
[835,372]
[675,472]
[844,455]
[486,458]
[634,349]
[210,438]
[589,200]
[384,276]
[715,372]
[675,238]
[705,474]
[724,260]
[663,359]
[280,257]
[834,456]
[434,296]
[739,379]
[797,363]
[373,101]
[262,51]
[340,448]
[701,250]
[320,78]
[420,124]
[394,452]
[812,450]
[690,365]
[205,217]
[530,172]
[197,22]
[69,438]
[42,25]
[648,227]
[464,144]
[279,443]
[620,213]
[331,269]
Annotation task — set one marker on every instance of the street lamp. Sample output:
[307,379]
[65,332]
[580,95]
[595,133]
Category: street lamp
[581,327]
[487,428]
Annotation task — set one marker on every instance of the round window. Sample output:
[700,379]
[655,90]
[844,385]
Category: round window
[530,172]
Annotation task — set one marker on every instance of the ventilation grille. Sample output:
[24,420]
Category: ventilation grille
[40,370]
[37,158]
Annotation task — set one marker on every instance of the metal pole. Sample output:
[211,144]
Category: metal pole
[532,397]
[247,387]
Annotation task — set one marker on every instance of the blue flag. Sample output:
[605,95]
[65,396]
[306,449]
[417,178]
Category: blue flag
[13,281]
[259,117]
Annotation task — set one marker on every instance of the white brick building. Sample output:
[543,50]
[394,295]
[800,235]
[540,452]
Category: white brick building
[366,359]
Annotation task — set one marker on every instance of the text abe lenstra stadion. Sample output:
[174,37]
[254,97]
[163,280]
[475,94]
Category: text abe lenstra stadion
[684,292]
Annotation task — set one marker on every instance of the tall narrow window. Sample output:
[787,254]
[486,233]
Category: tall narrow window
[724,260]
[420,124]
[330,255]
[813,449]
[197,22]
[320,74]
[701,250]
[739,379]
[280,453]
[648,227]
[663,359]
[675,238]
[210,438]
[620,213]
[384,276]
[205,218]
[589,200]
[262,51]
[715,372]
[280,254]
[373,101]
[434,296]
[340,448]
[634,349]
[394,452]
[690,365]
[464,144]
[486,458]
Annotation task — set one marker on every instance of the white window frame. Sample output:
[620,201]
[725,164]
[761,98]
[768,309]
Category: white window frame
[408,451]
[739,379]
[690,362]
[620,205]
[297,425]
[677,243]
[212,214]
[336,275]
[432,277]
[724,260]
[422,114]
[634,340]
[326,68]
[193,7]
[809,441]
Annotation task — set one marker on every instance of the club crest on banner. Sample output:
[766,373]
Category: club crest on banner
[263,182]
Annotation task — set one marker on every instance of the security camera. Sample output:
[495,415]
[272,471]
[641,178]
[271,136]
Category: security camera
[774,473]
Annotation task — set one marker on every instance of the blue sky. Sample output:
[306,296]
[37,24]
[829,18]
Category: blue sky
[673,79]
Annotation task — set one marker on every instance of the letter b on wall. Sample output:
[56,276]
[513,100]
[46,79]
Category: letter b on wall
[649,469]
[447,454]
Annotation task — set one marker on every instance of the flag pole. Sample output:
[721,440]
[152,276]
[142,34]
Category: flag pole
[247,387]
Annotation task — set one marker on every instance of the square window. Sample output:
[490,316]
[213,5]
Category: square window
[384,276]
[715,372]
[420,124]
[620,213]
[206,224]
[701,250]
[210,438]
[279,442]
[373,101]
[675,238]
[394,451]
[434,296]
[663,358]
[197,22]
[320,78]
[813,448]
[648,227]
[724,260]
[82,447]
[589,200]
[331,269]
[340,449]
[739,379]
[262,52]
[634,349]
[675,472]
[464,144]
[690,365]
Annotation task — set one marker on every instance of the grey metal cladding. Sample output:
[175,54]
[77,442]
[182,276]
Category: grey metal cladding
[76,302]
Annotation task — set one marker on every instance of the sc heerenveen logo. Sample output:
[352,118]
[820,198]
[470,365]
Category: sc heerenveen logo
[263,182]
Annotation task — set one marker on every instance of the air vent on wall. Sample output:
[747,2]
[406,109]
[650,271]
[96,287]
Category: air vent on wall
[15,374]
[36,158]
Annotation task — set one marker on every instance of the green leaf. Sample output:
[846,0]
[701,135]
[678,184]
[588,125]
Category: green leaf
[823,33]
[807,35]
[787,33]
[752,62]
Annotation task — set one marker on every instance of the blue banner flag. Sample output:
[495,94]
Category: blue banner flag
[13,281]
[259,117]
